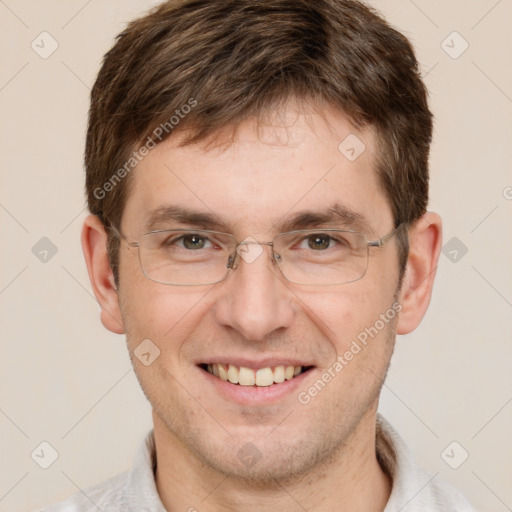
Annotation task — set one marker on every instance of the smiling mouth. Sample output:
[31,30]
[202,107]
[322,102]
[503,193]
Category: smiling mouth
[262,377]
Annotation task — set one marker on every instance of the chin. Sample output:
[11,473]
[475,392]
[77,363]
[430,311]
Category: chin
[263,461]
[263,466]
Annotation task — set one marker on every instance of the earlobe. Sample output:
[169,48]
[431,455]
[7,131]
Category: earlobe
[424,248]
[94,246]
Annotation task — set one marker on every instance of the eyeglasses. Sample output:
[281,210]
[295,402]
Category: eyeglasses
[189,257]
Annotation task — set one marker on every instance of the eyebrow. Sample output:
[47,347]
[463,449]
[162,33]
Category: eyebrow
[183,215]
[337,216]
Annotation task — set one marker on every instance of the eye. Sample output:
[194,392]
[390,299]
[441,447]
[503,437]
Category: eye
[189,241]
[194,241]
[319,241]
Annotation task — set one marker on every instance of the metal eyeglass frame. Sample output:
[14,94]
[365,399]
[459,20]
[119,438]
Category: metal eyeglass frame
[232,263]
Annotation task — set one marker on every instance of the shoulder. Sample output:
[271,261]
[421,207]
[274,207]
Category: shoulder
[448,498]
[107,496]
[414,489]
[131,491]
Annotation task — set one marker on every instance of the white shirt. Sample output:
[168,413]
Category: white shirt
[413,490]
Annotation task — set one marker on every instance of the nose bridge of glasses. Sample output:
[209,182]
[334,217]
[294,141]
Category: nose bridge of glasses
[242,251]
[253,241]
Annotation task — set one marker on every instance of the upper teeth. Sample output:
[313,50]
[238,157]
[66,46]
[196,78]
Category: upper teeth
[248,377]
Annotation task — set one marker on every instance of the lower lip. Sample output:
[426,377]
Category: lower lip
[255,395]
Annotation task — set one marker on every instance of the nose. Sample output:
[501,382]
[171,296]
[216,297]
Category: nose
[254,300]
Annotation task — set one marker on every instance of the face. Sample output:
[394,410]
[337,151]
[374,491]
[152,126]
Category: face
[255,318]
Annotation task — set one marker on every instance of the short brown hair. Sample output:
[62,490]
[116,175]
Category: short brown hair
[235,59]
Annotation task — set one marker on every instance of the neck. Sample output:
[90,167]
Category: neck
[351,479]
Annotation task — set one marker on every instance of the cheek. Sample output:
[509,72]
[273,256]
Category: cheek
[344,313]
[166,315]
[363,343]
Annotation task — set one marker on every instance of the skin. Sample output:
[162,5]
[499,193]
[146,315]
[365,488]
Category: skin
[319,456]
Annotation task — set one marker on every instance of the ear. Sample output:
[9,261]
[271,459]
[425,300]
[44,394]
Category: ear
[94,245]
[424,248]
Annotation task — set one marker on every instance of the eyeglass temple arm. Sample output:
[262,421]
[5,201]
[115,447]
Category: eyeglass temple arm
[119,235]
[381,241]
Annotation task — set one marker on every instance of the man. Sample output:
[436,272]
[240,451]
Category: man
[257,177]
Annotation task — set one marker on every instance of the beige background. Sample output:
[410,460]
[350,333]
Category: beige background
[67,381]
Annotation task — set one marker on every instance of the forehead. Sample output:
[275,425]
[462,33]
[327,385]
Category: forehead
[294,162]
